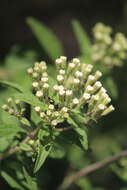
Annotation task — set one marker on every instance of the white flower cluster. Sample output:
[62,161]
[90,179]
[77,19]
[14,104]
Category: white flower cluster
[107,50]
[75,88]
[14,107]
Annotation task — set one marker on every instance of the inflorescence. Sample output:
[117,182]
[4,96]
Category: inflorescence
[108,50]
[75,88]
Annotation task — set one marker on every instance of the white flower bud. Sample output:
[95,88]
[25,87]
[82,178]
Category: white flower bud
[64,109]
[42,63]
[86,96]
[54,122]
[78,74]
[89,89]
[30,71]
[61,87]
[61,92]
[63,58]
[76,61]
[60,78]
[46,86]
[45,74]
[37,109]
[44,79]
[101,107]
[39,93]
[75,101]
[68,92]
[71,65]
[35,75]
[35,84]
[56,87]
[36,68]
[76,81]
[42,114]
[49,112]
[51,106]
[58,61]
[95,97]
[98,74]
[56,113]
[62,72]
[108,110]
[65,115]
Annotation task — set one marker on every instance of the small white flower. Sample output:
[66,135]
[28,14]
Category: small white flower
[42,114]
[51,107]
[97,84]
[44,79]
[75,101]
[108,110]
[98,74]
[54,122]
[39,93]
[76,81]
[61,92]
[36,68]
[91,77]
[63,58]
[46,85]
[60,78]
[64,109]
[30,71]
[89,88]
[37,109]
[71,65]
[76,61]
[56,87]
[95,97]
[101,107]
[49,112]
[58,61]
[35,75]
[62,72]
[86,96]
[78,74]
[45,74]
[68,92]
[61,87]
[35,84]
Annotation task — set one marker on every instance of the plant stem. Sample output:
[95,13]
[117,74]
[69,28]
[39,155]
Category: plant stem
[91,168]
[15,149]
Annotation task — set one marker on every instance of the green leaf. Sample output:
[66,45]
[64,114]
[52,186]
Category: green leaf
[25,122]
[12,85]
[83,40]
[12,182]
[81,133]
[57,151]
[29,98]
[43,152]
[30,181]
[82,137]
[46,38]
[7,130]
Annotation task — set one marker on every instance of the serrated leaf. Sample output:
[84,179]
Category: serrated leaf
[7,130]
[30,181]
[29,98]
[12,182]
[11,85]
[43,152]
[83,40]
[46,38]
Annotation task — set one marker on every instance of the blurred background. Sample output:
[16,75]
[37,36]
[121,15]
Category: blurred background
[57,15]
[19,48]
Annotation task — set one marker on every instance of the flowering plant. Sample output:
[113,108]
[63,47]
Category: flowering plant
[70,102]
